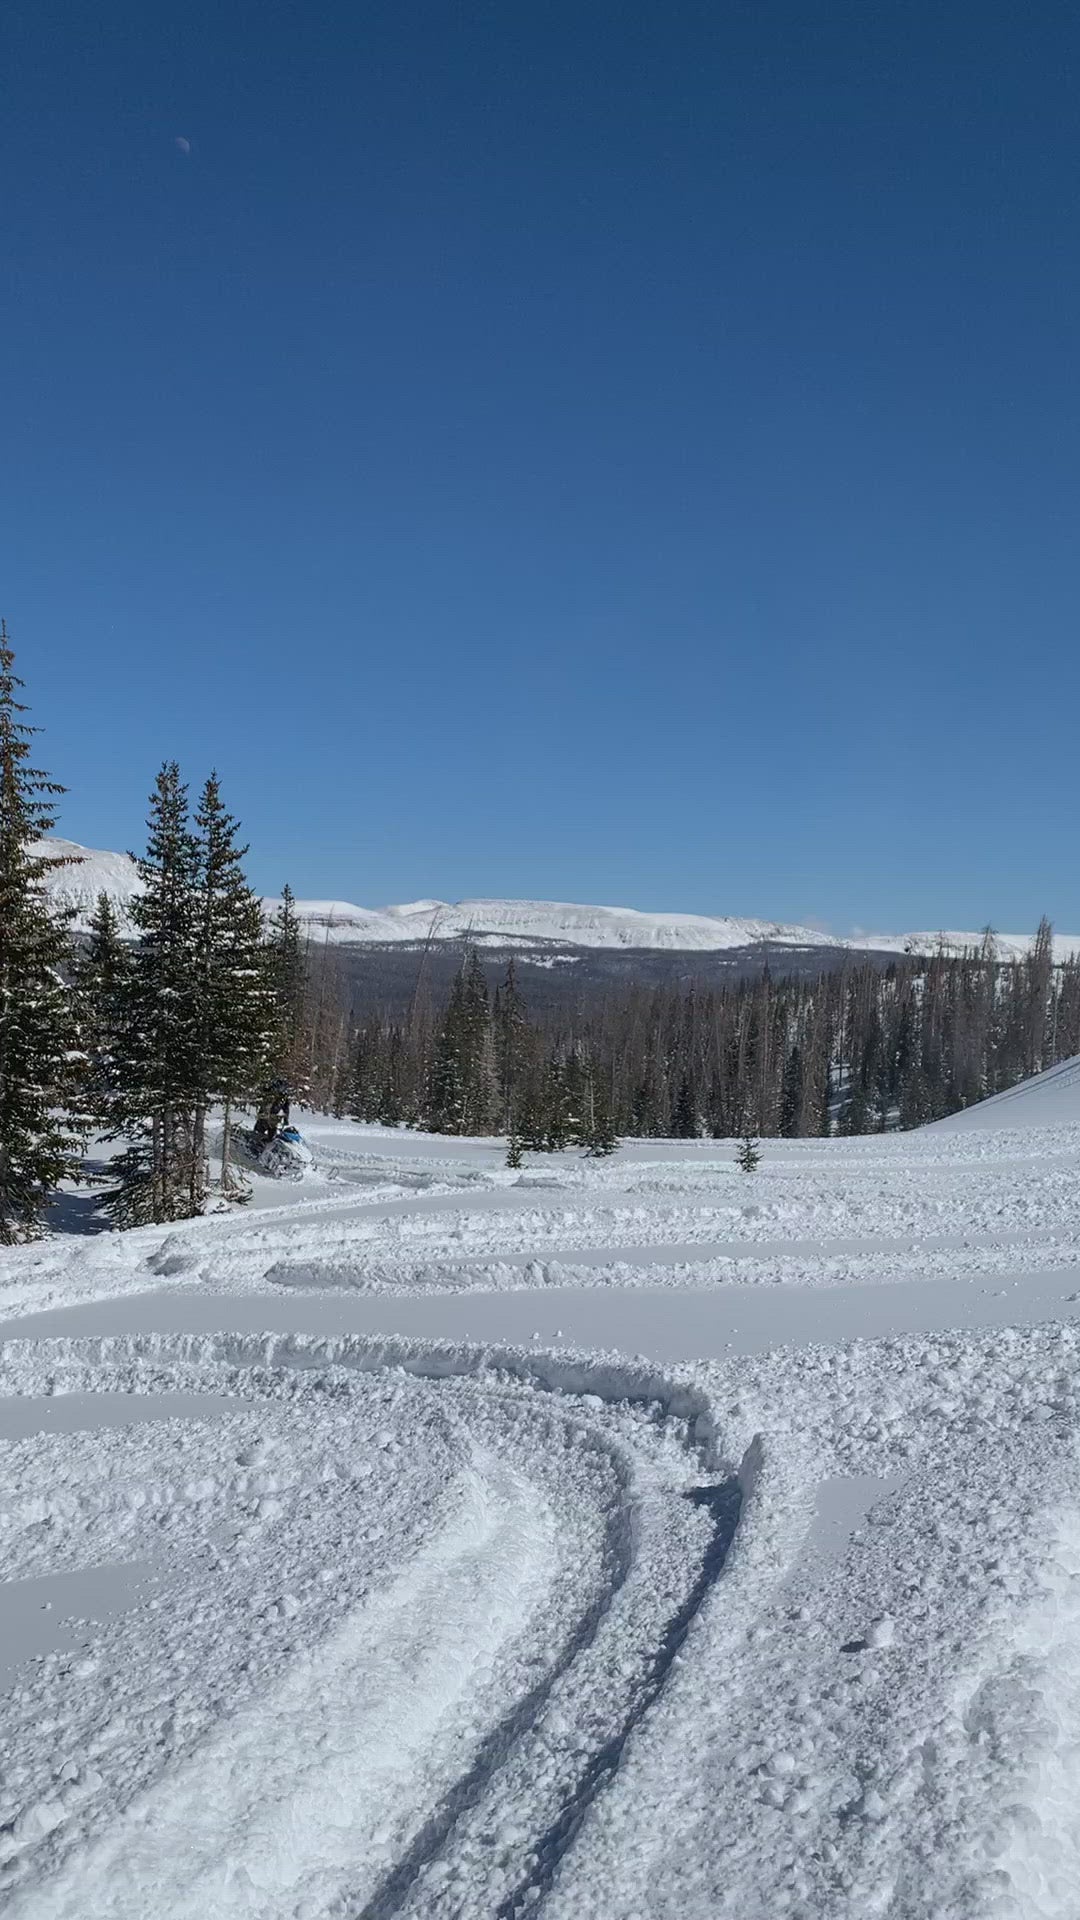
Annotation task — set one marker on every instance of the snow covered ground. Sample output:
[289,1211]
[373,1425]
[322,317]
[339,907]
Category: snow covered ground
[620,1540]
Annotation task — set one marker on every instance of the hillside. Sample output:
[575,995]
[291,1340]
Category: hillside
[387,1547]
[1050,1099]
[551,932]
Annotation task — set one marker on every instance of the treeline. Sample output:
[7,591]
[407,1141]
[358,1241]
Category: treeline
[136,1038]
[857,1050]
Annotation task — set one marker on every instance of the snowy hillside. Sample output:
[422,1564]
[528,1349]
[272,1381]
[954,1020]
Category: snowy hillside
[547,923]
[1007,946]
[77,885]
[538,925]
[1051,1099]
[633,1537]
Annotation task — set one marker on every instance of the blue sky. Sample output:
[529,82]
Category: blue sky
[608,452]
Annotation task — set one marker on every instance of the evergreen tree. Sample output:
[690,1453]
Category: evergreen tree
[511,1045]
[159,1068]
[286,1075]
[748,1157]
[855,1117]
[448,1099]
[102,983]
[464,1093]
[791,1092]
[684,1119]
[599,1137]
[235,1010]
[38,1038]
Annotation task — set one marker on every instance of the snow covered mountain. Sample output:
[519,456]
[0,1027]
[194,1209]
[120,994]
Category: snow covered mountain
[550,923]
[1007,946]
[86,874]
[550,928]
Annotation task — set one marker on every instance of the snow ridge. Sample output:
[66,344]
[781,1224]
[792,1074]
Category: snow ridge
[538,926]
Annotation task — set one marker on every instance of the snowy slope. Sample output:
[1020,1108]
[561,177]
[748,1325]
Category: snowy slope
[498,922]
[1007,946]
[75,887]
[1051,1099]
[555,923]
[535,924]
[586,926]
[353,1563]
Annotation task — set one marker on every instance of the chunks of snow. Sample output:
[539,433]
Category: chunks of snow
[431,1625]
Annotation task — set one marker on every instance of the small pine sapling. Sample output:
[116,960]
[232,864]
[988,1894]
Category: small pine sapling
[748,1157]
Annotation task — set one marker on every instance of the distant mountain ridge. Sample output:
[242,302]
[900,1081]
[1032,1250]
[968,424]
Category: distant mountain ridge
[548,930]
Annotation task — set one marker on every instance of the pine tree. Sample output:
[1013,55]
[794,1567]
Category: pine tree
[38,1040]
[102,985]
[791,1092]
[748,1158]
[235,1011]
[684,1119]
[511,1045]
[463,1092]
[286,1077]
[481,1072]
[599,1137]
[855,1115]
[159,1069]
[447,1101]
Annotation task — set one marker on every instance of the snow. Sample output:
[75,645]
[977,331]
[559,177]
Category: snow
[540,923]
[1006,946]
[528,924]
[88,873]
[631,1538]
[585,926]
[1048,1099]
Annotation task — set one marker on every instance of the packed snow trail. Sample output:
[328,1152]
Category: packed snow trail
[301,1795]
[311,1791]
[883,1209]
[518,1623]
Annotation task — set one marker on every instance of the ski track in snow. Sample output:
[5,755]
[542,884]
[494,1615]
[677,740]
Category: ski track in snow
[430,1628]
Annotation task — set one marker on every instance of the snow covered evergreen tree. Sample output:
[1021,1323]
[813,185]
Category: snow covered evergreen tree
[286,1076]
[102,981]
[158,1060]
[448,1099]
[748,1158]
[38,1041]
[511,1047]
[235,1010]
[464,1081]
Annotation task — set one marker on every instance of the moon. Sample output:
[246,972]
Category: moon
[182,145]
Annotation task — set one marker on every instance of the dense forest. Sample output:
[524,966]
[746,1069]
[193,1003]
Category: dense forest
[859,1049]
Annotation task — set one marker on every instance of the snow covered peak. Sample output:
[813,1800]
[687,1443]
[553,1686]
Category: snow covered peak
[88,872]
[594,926]
[536,925]
[545,923]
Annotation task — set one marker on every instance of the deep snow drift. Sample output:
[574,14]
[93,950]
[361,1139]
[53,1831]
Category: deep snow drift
[354,1564]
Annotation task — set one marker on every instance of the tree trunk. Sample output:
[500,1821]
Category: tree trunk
[163,1154]
[197,1174]
[226,1146]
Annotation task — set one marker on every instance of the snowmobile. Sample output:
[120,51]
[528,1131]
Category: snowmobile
[287,1156]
